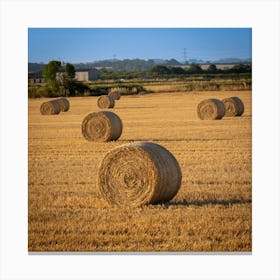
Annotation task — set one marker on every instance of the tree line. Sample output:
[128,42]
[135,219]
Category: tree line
[196,69]
[128,65]
[60,80]
[161,71]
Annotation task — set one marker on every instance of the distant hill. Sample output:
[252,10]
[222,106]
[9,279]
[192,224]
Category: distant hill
[130,65]
[35,67]
[233,61]
[133,65]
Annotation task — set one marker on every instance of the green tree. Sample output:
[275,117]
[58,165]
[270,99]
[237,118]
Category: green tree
[177,70]
[194,69]
[241,68]
[49,74]
[160,69]
[62,83]
[67,80]
[50,70]
[70,70]
[212,68]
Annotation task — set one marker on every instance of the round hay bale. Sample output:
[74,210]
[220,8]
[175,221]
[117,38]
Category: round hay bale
[51,107]
[64,104]
[105,101]
[138,174]
[102,126]
[115,95]
[210,109]
[234,106]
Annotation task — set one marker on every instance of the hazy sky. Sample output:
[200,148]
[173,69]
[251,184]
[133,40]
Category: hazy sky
[91,44]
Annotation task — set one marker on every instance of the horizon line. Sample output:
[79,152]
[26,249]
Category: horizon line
[164,59]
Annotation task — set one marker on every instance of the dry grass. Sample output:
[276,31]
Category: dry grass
[199,85]
[211,212]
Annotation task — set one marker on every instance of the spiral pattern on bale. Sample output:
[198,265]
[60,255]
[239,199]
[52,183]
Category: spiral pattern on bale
[51,107]
[210,109]
[116,95]
[138,174]
[102,126]
[64,104]
[105,102]
[234,106]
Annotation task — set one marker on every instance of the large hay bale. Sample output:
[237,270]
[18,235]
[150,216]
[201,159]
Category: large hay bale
[116,95]
[138,174]
[210,109]
[105,102]
[233,106]
[102,126]
[64,104]
[51,107]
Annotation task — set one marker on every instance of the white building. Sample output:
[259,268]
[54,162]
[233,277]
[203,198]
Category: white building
[87,75]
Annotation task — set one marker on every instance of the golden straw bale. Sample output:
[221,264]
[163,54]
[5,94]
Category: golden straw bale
[122,90]
[138,174]
[105,101]
[233,106]
[51,107]
[102,126]
[210,109]
[64,104]
[116,95]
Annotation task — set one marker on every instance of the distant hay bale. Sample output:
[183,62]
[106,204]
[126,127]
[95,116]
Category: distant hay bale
[105,102]
[122,90]
[64,104]
[51,107]
[210,109]
[234,106]
[102,126]
[116,95]
[138,174]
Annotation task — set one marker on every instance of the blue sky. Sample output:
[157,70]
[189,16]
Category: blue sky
[91,44]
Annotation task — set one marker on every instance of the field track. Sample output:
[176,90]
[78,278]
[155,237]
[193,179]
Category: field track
[211,212]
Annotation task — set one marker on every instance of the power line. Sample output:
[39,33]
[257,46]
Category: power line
[185,56]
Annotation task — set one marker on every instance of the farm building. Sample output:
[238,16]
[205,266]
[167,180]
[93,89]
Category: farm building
[34,78]
[82,75]
[87,75]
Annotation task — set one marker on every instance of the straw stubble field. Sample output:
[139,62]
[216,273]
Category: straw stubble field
[211,212]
